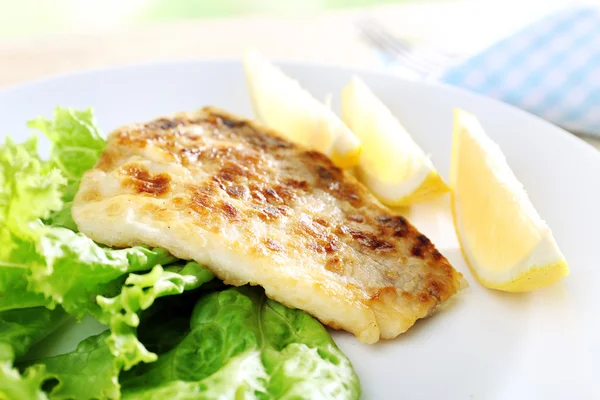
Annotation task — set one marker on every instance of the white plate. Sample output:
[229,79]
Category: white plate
[487,345]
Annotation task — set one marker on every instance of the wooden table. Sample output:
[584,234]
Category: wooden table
[330,38]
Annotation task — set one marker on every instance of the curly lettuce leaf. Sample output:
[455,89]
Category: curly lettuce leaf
[29,190]
[121,312]
[75,269]
[32,190]
[76,143]
[17,386]
[13,285]
[23,328]
[92,371]
[242,344]
[88,372]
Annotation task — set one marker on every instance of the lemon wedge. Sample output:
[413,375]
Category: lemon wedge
[391,164]
[503,239]
[281,103]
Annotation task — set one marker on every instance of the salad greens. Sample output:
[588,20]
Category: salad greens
[88,372]
[173,330]
[29,190]
[139,293]
[242,345]
[19,386]
[24,327]
[76,144]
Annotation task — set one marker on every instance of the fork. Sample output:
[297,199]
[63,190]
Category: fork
[419,59]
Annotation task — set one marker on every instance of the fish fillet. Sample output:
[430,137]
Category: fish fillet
[255,208]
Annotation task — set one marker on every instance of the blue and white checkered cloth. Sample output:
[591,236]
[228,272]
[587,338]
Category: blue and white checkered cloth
[551,69]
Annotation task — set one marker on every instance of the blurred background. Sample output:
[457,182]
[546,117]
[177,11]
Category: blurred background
[27,17]
[73,34]
[419,39]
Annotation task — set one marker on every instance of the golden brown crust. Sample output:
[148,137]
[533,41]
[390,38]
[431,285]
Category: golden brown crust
[143,182]
[245,174]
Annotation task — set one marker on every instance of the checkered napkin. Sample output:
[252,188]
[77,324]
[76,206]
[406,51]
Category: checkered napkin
[551,69]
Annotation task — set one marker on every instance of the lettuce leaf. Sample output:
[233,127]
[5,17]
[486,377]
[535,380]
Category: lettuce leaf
[33,190]
[243,377]
[92,370]
[29,190]
[239,345]
[167,322]
[62,218]
[13,385]
[88,372]
[243,345]
[76,143]
[23,328]
[74,269]
[121,312]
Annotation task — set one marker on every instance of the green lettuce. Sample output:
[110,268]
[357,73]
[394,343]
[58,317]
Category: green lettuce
[32,190]
[243,345]
[29,190]
[74,270]
[238,344]
[139,293]
[17,386]
[76,143]
[92,370]
[88,372]
[23,328]
[62,218]
[159,334]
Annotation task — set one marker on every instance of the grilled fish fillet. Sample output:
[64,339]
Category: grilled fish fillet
[255,208]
